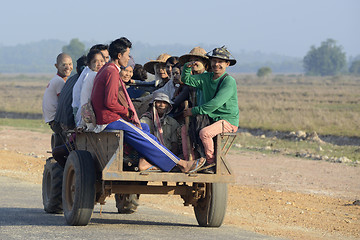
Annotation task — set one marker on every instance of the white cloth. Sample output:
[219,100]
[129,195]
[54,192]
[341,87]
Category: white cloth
[50,99]
[78,86]
[85,95]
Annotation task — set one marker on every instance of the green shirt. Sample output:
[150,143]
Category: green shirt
[224,106]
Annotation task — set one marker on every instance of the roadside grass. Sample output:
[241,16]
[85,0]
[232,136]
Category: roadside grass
[305,149]
[25,124]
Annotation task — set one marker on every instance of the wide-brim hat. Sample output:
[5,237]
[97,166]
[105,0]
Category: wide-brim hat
[195,52]
[222,53]
[149,66]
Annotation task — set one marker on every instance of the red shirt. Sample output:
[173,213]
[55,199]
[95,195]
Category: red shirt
[104,96]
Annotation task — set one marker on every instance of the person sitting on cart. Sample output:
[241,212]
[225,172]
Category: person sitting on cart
[114,110]
[220,102]
[161,124]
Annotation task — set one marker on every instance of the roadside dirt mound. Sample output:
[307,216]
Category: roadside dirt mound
[273,195]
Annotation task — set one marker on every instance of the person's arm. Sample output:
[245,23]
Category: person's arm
[111,101]
[226,90]
[188,79]
[183,95]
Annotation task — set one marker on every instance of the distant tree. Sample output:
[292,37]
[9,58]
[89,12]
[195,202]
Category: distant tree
[75,49]
[264,71]
[355,67]
[326,60]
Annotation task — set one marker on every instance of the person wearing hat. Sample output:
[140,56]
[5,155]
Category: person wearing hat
[160,123]
[118,113]
[158,68]
[220,98]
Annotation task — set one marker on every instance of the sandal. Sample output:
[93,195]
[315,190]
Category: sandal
[153,168]
[197,165]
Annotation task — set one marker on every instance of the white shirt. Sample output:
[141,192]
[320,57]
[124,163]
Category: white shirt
[85,94]
[78,86]
[50,99]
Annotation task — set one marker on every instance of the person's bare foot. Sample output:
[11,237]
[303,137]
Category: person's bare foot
[191,166]
[144,165]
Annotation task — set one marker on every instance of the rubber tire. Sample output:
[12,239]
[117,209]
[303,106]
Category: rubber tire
[210,211]
[52,186]
[78,191]
[56,140]
[126,203]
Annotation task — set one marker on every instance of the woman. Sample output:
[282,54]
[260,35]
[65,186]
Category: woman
[95,62]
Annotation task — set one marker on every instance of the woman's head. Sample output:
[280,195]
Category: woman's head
[95,60]
[127,72]
[160,70]
[170,62]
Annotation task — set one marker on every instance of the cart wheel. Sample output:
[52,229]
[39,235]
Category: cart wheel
[127,203]
[51,186]
[78,191]
[210,210]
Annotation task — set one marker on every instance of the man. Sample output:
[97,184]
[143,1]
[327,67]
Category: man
[64,66]
[114,110]
[222,105]
[161,124]
[64,113]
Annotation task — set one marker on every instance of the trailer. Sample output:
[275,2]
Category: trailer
[96,168]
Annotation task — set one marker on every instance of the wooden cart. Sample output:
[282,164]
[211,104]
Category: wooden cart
[95,169]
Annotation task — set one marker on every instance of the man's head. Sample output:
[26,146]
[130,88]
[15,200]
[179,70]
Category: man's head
[220,59]
[64,65]
[176,73]
[119,51]
[198,56]
[104,50]
[80,64]
[162,103]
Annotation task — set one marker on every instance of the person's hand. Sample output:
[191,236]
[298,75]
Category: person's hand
[191,64]
[187,112]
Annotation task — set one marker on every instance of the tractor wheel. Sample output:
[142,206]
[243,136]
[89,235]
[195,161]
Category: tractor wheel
[51,186]
[126,203]
[210,210]
[78,191]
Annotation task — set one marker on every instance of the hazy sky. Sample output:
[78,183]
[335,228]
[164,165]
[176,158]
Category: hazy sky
[285,27]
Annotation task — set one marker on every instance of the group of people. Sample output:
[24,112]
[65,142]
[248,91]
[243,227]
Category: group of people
[156,125]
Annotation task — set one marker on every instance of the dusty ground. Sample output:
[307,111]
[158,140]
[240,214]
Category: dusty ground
[273,195]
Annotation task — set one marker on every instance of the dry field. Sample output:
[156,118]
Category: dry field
[327,105]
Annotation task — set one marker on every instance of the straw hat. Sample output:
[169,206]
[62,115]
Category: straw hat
[149,66]
[222,53]
[195,52]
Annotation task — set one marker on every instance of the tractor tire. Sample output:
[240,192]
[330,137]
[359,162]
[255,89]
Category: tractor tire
[127,203]
[210,210]
[78,191]
[52,186]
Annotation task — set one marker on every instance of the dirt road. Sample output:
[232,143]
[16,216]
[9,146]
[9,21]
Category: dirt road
[274,195]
